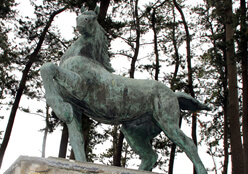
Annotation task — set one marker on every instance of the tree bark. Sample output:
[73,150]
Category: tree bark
[72,156]
[233,107]
[32,58]
[63,142]
[115,139]
[103,11]
[243,49]
[173,81]
[155,39]
[136,51]
[119,148]
[43,152]
[224,80]
[117,144]
[177,57]
[190,79]
[222,70]
[226,133]
[86,123]
[173,152]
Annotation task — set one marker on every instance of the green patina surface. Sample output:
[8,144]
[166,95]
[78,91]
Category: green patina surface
[83,83]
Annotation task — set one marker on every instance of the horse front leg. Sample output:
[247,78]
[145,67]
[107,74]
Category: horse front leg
[77,140]
[62,109]
[52,75]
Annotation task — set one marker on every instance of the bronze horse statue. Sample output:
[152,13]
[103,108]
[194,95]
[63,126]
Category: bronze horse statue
[83,83]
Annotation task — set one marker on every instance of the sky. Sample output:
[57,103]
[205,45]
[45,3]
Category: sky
[26,138]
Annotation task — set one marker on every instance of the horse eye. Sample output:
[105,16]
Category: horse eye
[85,19]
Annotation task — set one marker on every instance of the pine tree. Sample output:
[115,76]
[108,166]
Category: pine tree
[243,52]
[233,106]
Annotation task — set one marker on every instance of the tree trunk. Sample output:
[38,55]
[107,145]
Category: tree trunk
[103,11]
[117,144]
[43,152]
[223,77]
[32,58]
[115,139]
[136,51]
[226,118]
[155,43]
[190,79]
[243,50]
[72,156]
[193,131]
[119,148]
[63,142]
[233,107]
[86,126]
[177,57]
[173,152]
[173,81]
[226,133]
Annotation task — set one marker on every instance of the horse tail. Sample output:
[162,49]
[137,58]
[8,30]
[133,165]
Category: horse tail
[187,102]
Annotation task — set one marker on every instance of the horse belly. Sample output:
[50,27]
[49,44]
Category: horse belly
[114,109]
[121,102]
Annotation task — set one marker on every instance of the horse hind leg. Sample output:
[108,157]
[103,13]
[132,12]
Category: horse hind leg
[174,133]
[139,140]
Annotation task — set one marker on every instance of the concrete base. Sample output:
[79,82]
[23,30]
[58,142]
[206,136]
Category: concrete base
[36,165]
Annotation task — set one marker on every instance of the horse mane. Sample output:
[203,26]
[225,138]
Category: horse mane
[99,50]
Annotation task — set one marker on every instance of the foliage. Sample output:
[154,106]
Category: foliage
[7,79]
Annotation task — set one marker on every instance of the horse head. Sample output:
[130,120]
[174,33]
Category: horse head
[87,22]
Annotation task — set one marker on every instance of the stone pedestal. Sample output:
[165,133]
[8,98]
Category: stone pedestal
[36,165]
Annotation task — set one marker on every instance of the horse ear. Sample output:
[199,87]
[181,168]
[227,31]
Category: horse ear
[82,9]
[97,10]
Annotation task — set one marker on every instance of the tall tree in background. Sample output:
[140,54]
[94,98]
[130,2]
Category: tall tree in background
[173,85]
[155,40]
[137,40]
[215,68]
[43,151]
[243,50]
[190,78]
[233,106]
[63,141]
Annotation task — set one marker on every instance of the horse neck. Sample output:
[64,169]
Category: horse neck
[74,49]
